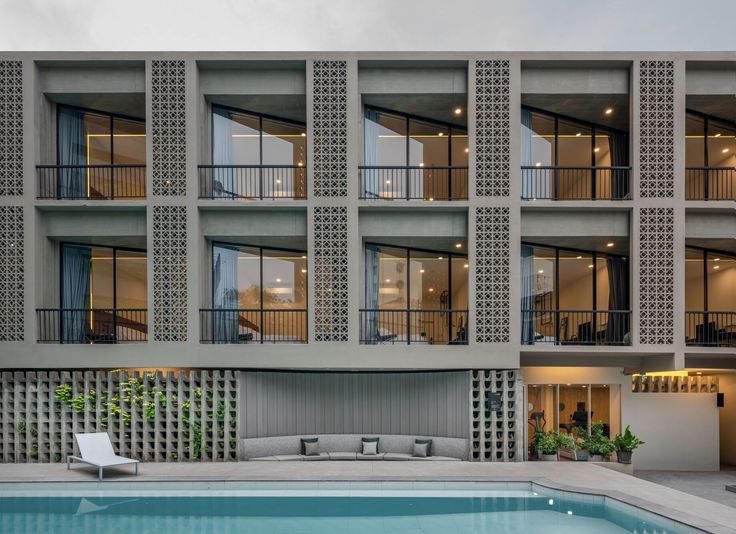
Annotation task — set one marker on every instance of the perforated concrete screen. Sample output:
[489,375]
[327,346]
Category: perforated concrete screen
[330,122]
[11,128]
[497,431]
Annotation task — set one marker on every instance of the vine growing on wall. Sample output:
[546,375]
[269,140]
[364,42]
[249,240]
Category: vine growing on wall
[136,395]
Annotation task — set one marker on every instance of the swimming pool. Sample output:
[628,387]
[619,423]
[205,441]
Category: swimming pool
[300,507]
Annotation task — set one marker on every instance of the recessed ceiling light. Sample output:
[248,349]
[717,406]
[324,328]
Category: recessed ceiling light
[388,280]
[725,150]
[718,134]
[580,257]
[609,245]
[467,150]
[538,164]
[540,271]
[699,373]
[591,266]
[278,181]
[431,199]
[608,111]
[300,163]
[304,270]
[596,149]
[421,270]
[304,134]
[466,265]
[441,258]
[578,134]
[716,267]
[431,289]
[716,259]
[304,257]
[421,164]
[458,111]
[388,182]
[441,134]
[278,279]
[458,245]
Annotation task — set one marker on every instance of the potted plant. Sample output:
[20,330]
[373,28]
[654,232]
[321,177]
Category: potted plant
[598,445]
[547,444]
[625,444]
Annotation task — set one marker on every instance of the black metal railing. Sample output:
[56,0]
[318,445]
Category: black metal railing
[710,328]
[438,327]
[91,182]
[575,183]
[92,326]
[576,327]
[710,183]
[234,326]
[413,183]
[252,182]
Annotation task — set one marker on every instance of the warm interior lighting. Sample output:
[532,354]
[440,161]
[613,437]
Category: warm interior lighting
[421,164]
[538,164]
[540,271]
[596,149]
[388,280]
[724,150]
[716,267]
[467,150]
[304,257]
[431,199]
[458,245]
[304,270]
[717,135]
[578,134]
[440,134]
[421,271]
[608,111]
[716,259]
[278,181]
[388,182]
[609,245]
[591,266]
[466,265]
[304,134]
[278,279]
[440,258]
[431,289]
[580,257]
[458,111]
[300,163]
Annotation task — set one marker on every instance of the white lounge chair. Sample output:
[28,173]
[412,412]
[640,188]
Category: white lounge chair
[96,449]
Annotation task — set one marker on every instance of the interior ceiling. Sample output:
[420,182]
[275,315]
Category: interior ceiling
[724,244]
[109,241]
[592,243]
[290,107]
[440,244]
[129,104]
[586,107]
[288,242]
[721,106]
[435,106]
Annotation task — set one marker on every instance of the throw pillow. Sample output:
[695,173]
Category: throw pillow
[429,445]
[370,440]
[420,450]
[308,440]
[311,448]
[370,447]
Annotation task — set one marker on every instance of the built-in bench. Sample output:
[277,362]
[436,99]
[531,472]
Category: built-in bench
[391,447]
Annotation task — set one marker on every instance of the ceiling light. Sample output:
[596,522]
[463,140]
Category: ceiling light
[609,245]
[431,199]
[540,271]
[596,149]
[716,267]
[608,111]
[538,164]
[421,164]
[467,150]
[458,245]
[300,163]
[578,134]
[304,270]
[278,181]
[591,266]
[458,111]
[421,270]
[441,134]
[431,289]
[388,182]
[580,257]
[699,373]
[717,135]
[440,258]
[388,280]
[466,265]
[716,259]
[724,150]
[304,134]
[278,279]
[304,257]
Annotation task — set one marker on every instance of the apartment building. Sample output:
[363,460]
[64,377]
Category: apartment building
[466,245]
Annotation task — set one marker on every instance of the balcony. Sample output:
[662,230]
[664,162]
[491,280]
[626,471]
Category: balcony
[239,326]
[575,183]
[575,327]
[91,182]
[710,328]
[413,183]
[407,327]
[710,183]
[252,182]
[92,326]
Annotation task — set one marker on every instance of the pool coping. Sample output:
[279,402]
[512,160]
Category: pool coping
[666,513]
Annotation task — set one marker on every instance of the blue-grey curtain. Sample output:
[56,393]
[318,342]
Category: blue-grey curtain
[618,298]
[527,294]
[527,176]
[223,181]
[76,266]
[71,151]
[371,177]
[225,296]
[619,147]
[370,322]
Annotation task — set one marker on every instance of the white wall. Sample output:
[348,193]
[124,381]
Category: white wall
[680,430]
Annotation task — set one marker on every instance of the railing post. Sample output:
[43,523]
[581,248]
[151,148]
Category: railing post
[408,327]
[260,195]
[449,183]
[112,182]
[593,175]
[115,326]
[408,181]
[557,327]
[555,183]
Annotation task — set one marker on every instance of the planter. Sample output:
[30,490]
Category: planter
[595,458]
[624,457]
[581,456]
[548,457]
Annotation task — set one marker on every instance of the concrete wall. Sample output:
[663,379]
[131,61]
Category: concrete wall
[287,403]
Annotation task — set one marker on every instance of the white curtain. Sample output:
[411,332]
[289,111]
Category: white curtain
[225,295]
[76,266]
[223,181]
[71,151]
[527,176]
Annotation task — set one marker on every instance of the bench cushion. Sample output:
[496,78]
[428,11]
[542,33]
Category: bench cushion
[288,457]
[342,455]
[396,456]
[361,456]
[316,457]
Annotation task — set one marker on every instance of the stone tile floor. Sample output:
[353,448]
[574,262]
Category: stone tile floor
[708,485]
[702,513]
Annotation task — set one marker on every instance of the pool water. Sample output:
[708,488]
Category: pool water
[317,507]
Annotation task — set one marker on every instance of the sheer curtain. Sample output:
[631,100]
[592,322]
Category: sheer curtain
[371,292]
[225,295]
[223,182]
[527,178]
[618,299]
[527,294]
[372,129]
[619,147]
[71,147]
[76,264]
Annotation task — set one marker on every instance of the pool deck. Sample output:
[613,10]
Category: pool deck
[572,476]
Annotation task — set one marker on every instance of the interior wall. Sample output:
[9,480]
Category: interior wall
[727,419]
[294,403]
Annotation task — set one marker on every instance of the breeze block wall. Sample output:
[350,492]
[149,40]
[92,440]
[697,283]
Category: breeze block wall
[151,416]
[497,435]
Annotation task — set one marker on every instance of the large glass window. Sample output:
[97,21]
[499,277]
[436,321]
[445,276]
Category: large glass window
[258,294]
[710,141]
[710,278]
[103,293]
[87,142]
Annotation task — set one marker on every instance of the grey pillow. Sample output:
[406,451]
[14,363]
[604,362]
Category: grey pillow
[370,447]
[308,440]
[369,440]
[420,449]
[311,448]
[429,445]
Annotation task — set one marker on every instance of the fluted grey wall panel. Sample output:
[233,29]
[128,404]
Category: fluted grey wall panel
[289,403]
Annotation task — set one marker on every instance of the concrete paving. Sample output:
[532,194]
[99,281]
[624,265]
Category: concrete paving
[706,484]
[573,476]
